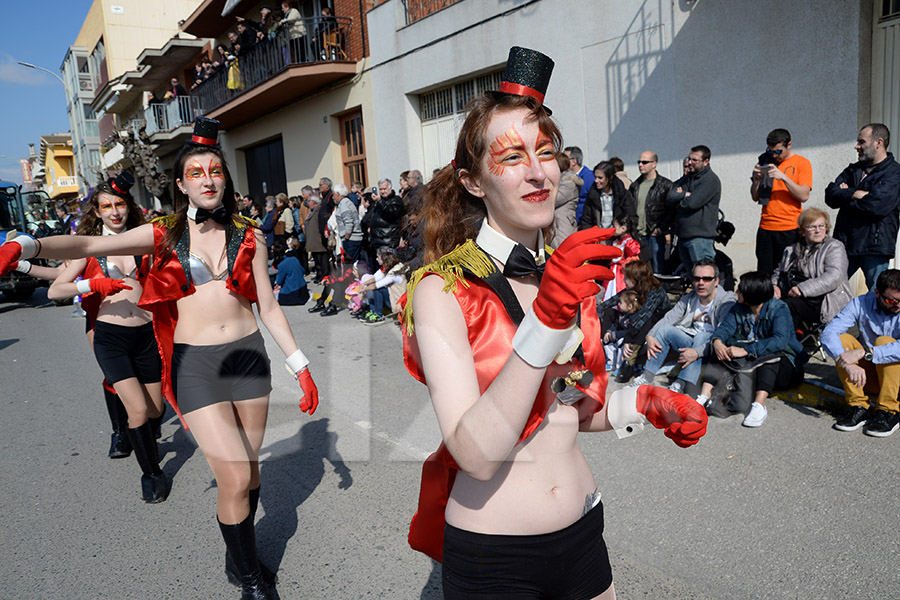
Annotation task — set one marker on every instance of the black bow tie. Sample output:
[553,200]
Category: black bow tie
[219,215]
[521,263]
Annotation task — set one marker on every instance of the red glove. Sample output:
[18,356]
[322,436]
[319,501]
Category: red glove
[567,279]
[107,287]
[310,399]
[9,254]
[681,416]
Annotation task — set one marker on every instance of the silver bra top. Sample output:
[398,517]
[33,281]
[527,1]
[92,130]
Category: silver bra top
[115,272]
[201,273]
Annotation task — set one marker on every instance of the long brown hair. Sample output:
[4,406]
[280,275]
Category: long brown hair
[451,214]
[641,275]
[91,224]
[174,233]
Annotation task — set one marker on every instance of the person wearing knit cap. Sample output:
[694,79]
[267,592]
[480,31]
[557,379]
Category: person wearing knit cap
[209,270]
[507,341]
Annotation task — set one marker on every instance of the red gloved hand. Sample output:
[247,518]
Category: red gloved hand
[107,286]
[683,419]
[310,399]
[9,255]
[567,279]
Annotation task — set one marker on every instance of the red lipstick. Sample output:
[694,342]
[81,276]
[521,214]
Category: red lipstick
[536,196]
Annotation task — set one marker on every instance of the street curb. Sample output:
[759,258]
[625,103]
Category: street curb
[815,394]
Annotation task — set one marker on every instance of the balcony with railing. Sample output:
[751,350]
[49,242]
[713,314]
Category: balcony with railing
[279,70]
[419,9]
[62,185]
[169,116]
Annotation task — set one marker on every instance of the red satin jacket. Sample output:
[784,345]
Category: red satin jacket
[167,282]
[490,332]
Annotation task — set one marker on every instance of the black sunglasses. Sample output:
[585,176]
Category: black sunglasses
[703,279]
[645,162]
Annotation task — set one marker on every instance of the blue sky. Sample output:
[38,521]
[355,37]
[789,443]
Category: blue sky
[32,103]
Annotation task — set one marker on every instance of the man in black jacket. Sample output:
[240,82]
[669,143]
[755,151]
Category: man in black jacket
[654,217]
[382,222]
[695,198]
[867,194]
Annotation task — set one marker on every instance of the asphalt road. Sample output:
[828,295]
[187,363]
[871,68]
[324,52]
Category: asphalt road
[790,510]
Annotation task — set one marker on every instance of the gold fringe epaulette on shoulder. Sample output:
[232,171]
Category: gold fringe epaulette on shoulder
[465,257]
[243,222]
[167,221]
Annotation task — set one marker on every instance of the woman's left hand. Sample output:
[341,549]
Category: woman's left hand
[310,400]
[737,352]
[628,351]
[794,292]
[683,420]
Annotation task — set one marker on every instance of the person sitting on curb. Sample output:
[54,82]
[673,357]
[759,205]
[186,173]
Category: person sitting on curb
[872,362]
[688,328]
[756,341]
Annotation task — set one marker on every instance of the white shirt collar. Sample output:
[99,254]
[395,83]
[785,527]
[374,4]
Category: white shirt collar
[108,231]
[192,213]
[499,246]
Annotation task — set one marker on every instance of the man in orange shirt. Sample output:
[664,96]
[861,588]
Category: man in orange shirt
[781,182]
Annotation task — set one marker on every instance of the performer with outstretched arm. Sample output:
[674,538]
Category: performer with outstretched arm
[209,266]
[508,502]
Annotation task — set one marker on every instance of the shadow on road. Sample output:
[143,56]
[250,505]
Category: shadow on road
[432,589]
[8,343]
[181,443]
[293,471]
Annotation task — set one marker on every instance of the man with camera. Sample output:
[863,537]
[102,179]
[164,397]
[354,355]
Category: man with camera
[781,183]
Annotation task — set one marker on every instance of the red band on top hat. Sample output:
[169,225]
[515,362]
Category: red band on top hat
[521,90]
[203,140]
[115,187]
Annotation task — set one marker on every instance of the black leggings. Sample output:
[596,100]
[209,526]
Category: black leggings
[781,375]
[569,564]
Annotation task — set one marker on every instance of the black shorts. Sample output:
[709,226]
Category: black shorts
[206,375]
[125,352]
[571,563]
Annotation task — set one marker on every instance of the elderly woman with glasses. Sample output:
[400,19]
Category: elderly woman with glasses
[812,275]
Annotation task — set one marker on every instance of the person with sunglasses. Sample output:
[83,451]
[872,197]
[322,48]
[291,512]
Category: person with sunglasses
[870,362]
[687,329]
[654,217]
[781,182]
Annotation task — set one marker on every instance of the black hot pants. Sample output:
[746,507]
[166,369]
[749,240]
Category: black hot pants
[125,352]
[206,375]
[569,564]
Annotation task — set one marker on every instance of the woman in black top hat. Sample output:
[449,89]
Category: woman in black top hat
[508,502]
[209,267]
[122,332]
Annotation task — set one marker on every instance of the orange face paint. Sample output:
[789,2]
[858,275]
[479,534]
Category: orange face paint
[507,150]
[544,148]
[107,205]
[194,171]
[216,171]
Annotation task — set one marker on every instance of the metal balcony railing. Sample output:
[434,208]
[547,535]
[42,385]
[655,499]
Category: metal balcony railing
[419,9]
[66,181]
[171,115]
[324,41]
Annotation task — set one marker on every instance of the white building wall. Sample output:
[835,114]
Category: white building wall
[310,136]
[661,75]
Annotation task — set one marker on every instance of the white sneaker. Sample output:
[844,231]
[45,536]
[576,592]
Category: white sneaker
[702,400]
[638,381]
[757,416]
[677,386]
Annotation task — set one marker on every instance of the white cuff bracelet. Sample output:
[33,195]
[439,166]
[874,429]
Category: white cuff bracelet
[29,246]
[623,414]
[83,286]
[537,344]
[296,362]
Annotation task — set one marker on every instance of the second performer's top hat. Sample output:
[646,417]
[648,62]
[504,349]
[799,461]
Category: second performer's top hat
[206,133]
[527,73]
[121,184]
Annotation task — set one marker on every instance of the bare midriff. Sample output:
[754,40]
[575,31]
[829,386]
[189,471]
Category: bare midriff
[540,489]
[122,307]
[213,315]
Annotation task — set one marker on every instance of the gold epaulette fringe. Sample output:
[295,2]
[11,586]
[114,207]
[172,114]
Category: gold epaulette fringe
[167,221]
[243,222]
[450,267]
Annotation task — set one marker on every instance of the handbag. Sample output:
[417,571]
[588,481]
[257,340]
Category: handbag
[279,228]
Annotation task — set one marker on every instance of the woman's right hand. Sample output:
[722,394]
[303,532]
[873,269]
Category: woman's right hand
[721,350]
[569,277]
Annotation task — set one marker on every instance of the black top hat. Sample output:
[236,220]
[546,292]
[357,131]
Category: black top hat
[206,133]
[527,73]
[121,184]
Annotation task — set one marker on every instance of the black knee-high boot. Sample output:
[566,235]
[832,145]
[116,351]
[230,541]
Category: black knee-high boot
[230,572]
[119,446]
[240,540]
[156,424]
[154,486]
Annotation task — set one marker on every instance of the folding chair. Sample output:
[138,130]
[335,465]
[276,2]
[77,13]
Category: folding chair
[809,336]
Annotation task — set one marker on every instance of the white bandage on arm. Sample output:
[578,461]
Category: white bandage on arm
[23,266]
[83,286]
[537,344]
[296,362]
[622,412]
